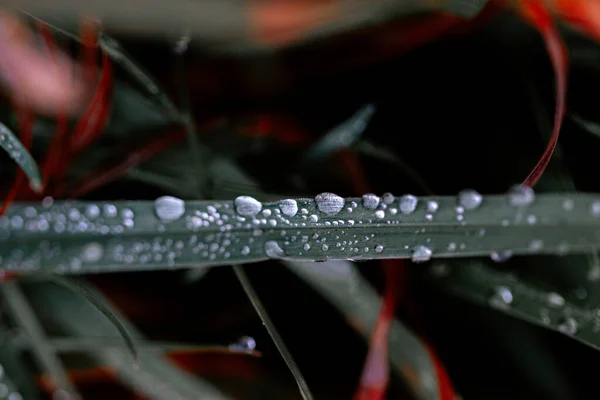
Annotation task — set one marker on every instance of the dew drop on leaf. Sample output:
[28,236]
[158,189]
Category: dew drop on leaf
[92,211]
[408,204]
[501,256]
[378,248]
[502,297]
[469,199]
[521,196]
[568,325]
[387,198]
[329,203]
[273,250]
[247,206]
[370,201]
[555,300]
[432,206]
[92,252]
[288,207]
[595,208]
[245,343]
[421,254]
[167,208]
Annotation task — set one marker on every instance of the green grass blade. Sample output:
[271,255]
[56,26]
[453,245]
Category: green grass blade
[80,289]
[15,149]
[475,281]
[78,237]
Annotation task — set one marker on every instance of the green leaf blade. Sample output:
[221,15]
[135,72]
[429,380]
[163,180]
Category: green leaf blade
[15,149]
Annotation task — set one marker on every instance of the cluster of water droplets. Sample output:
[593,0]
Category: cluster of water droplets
[325,227]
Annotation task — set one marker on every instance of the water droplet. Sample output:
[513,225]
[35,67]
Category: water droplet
[329,203]
[247,206]
[555,300]
[306,247]
[92,211]
[245,250]
[568,205]
[110,211]
[452,246]
[521,196]
[421,254]
[595,208]
[378,248]
[501,256]
[380,214]
[432,206]
[273,250]
[169,208]
[92,252]
[531,219]
[370,201]
[502,297]
[289,207]
[536,245]
[469,199]
[324,247]
[314,218]
[181,45]
[568,325]
[47,202]
[387,198]
[245,343]
[408,204]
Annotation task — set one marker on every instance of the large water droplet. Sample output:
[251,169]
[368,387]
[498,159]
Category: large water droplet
[370,201]
[387,198]
[169,208]
[555,300]
[289,207]
[273,250]
[408,204]
[92,211]
[247,206]
[568,325]
[502,297]
[245,343]
[378,248]
[595,208]
[432,206]
[329,203]
[521,196]
[92,252]
[501,256]
[421,254]
[469,199]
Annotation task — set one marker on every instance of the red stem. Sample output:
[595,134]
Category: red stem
[540,17]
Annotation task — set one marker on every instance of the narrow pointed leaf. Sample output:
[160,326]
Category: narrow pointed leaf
[78,237]
[15,149]
[475,281]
